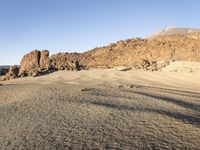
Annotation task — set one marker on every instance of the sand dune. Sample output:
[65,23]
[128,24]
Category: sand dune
[102,109]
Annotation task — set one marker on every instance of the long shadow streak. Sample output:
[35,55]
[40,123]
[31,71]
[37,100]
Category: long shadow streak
[179,102]
[182,117]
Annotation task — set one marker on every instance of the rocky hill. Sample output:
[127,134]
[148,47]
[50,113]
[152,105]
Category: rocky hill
[148,54]
[163,48]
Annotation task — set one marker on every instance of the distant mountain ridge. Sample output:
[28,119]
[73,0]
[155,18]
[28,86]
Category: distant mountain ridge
[175,31]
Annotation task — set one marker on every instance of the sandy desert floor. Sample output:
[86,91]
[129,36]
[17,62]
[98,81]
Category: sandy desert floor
[101,109]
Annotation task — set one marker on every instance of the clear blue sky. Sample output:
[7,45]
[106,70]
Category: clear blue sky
[79,25]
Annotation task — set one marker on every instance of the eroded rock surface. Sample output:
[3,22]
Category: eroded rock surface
[34,63]
[66,61]
[30,62]
[39,62]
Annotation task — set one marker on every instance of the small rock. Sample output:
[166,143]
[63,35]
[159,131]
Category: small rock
[86,89]
[123,68]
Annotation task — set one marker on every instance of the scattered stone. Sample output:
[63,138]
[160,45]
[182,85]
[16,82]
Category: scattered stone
[141,64]
[147,65]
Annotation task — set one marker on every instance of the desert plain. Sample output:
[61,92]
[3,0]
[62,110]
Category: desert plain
[103,109]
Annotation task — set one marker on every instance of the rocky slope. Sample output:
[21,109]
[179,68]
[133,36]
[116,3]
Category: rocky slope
[134,52]
[129,52]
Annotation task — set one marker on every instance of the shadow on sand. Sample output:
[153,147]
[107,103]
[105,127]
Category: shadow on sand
[179,116]
[157,95]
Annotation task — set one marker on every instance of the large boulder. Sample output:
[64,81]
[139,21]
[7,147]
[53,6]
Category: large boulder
[29,62]
[35,61]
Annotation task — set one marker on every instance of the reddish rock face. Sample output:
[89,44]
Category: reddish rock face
[37,62]
[66,61]
[34,61]
[29,62]
[44,59]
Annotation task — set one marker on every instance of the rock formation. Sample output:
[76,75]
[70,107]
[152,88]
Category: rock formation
[129,52]
[11,73]
[150,65]
[29,63]
[66,61]
[39,62]
[34,63]
[148,54]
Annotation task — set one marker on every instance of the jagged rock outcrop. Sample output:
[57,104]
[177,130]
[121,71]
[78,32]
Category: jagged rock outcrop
[39,62]
[34,62]
[29,62]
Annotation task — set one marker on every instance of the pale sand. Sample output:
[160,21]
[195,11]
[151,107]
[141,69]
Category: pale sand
[181,66]
[173,80]
[101,109]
